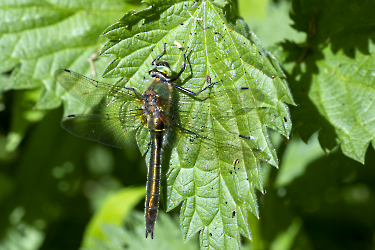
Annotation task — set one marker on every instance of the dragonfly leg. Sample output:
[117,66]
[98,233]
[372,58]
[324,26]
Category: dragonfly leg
[186,58]
[195,93]
[160,55]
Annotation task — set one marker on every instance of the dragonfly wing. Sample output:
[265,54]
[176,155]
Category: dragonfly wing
[108,129]
[220,134]
[214,143]
[94,94]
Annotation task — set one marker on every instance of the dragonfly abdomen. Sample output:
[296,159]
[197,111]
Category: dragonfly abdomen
[156,103]
[153,182]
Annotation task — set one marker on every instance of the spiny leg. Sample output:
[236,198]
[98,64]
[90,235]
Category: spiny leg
[186,58]
[194,93]
[160,55]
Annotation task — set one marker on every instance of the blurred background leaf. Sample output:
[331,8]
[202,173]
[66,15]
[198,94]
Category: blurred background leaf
[131,235]
[112,211]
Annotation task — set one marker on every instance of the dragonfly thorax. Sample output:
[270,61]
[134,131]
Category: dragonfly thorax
[156,104]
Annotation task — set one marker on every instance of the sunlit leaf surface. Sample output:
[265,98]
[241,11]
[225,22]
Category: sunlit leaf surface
[333,74]
[216,191]
[38,37]
[344,92]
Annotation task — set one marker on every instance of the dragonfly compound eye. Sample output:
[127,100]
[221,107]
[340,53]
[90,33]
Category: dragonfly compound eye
[162,63]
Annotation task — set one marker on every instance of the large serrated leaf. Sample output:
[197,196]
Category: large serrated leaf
[335,70]
[39,37]
[217,192]
[344,92]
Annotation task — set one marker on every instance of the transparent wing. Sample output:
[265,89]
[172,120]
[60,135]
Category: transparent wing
[109,129]
[197,123]
[94,94]
[122,107]
[206,127]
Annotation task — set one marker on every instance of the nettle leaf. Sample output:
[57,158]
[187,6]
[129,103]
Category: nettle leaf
[132,235]
[333,74]
[216,192]
[344,92]
[113,210]
[38,37]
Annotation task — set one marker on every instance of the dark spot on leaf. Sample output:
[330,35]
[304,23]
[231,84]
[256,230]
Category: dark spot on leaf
[234,213]
[226,202]
[210,234]
[182,23]
[230,171]
[285,120]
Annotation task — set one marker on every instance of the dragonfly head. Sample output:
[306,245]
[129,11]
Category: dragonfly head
[162,63]
[161,71]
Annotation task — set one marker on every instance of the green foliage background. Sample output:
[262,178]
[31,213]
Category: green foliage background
[56,188]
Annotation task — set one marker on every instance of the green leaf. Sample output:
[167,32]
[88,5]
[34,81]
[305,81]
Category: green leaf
[344,92]
[264,15]
[114,209]
[325,19]
[39,37]
[298,155]
[216,192]
[335,70]
[131,236]
[286,239]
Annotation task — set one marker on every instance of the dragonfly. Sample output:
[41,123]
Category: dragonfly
[167,114]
